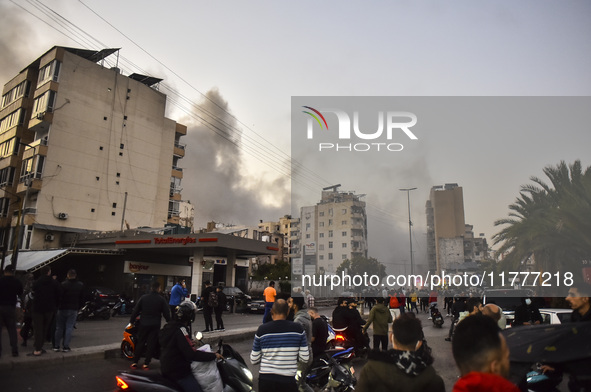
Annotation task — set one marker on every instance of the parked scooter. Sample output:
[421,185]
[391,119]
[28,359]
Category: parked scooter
[122,307]
[94,310]
[538,381]
[236,377]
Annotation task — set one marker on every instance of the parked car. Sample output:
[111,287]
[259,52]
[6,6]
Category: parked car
[555,316]
[106,295]
[235,295]
[257,306]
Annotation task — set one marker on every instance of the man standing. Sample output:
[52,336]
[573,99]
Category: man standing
[408,367]
[177,295]
[207,300]
[301,316]
[578,299]
[269,295]
[380,316]
[319,332]
[527,313]
[219,309]
[482,355]
[46,294]
[71,300]
[10,289]
[278,346]
[151,307]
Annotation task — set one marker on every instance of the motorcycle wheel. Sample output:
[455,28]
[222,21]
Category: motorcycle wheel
[127,350]
[106,315]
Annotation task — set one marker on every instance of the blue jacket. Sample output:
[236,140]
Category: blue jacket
[177,294]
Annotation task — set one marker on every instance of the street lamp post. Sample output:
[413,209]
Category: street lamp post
[407,190]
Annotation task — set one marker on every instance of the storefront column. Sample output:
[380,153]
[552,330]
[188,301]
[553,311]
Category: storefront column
[197,271]
[231,269]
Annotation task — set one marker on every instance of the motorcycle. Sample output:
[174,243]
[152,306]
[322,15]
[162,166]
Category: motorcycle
[437,317]
[122,307]
[130,339]
[94,310]
[540,381]
[330,371]
[236,377]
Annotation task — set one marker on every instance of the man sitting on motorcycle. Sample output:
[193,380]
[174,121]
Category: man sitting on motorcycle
[178,350]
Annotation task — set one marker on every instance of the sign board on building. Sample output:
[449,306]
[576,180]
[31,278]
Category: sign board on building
[310,248]
[139,267]
[297,265]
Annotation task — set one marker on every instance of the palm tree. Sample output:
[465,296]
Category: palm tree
[551,221]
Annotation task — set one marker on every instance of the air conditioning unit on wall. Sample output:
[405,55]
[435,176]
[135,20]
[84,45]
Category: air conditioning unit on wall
[62,215]
[49,237]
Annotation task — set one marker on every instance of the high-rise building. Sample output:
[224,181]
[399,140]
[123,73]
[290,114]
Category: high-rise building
[332,231]
[445,227]
[84,147]
[451,245]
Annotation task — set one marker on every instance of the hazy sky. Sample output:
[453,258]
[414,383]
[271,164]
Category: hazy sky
[252,57]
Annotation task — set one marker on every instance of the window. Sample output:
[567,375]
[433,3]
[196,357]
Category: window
[307,226]
[330,211]
[307,236]
[321,235]
[330,233]
[344,245]
[344,233]
[21,90]
[321,224]
[321,257]
[344,257]
[8,148]
[330,222]
[329,244]
[330,256]
[343,222]
[12,120]
[4,204]
[49,72]
[321,213]
[321,247]
[6,176]
[32,167]
[43,103]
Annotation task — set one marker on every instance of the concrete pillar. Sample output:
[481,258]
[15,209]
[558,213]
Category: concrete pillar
[197,271]
[231,269]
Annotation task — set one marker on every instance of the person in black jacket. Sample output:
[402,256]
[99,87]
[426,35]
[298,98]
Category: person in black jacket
[10,289]
[178,350]
[207,307]
[220,308]
[46,292]
[151,307]
[71,301]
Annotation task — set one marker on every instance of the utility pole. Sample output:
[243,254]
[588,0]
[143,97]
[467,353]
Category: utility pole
[407,190]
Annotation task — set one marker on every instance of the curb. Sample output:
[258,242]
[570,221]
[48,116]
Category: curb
[107,351]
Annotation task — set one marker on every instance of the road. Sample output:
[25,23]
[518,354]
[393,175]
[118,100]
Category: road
[98,375]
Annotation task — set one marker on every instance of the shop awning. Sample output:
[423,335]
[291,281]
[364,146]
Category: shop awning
[30,261]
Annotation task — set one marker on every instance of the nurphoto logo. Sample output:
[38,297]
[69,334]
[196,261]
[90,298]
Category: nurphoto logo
[391,125]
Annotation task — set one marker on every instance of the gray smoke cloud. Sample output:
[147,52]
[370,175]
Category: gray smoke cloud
[214,175]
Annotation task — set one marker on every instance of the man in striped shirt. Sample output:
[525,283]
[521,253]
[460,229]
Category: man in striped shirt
[277,347]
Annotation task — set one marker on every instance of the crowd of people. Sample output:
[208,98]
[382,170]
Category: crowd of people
[293,333]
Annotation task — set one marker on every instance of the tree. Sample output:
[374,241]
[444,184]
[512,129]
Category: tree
[277,271]
[360,265]
[551,221]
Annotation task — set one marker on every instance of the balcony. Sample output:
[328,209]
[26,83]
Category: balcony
[41,121]
[38,147]
[179,150]
[177,172]
[181,129]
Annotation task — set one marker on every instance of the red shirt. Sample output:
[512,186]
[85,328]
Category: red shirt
[484,382]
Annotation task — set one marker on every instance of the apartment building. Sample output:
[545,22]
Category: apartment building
[451,244]
[85,148]
[332,231]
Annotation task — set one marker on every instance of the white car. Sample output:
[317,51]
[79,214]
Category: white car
[555,316]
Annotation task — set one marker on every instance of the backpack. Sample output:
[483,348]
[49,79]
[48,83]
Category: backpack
[212,301]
